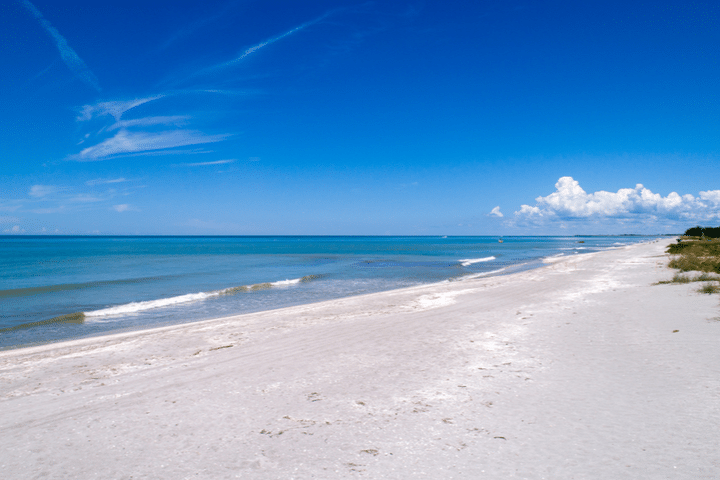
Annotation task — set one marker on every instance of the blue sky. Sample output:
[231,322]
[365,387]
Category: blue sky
[338,117]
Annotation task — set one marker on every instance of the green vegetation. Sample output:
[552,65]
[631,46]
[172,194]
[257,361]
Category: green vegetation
[709,288]
[676,279]
[708,232]
[697,253]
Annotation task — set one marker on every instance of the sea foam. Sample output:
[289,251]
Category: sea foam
[470,261]
[135,307]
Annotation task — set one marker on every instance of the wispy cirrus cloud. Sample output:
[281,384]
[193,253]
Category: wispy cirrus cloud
[249,51]
[571,202]
[138,142]
[124,207]
[157,153]
[104,181]
[115,108]
[10,205]
[42,194]
[194,26]
[85,198]
[76,65]
[49,199]
[177,120]
[41,191]
[203,164]
[138,137]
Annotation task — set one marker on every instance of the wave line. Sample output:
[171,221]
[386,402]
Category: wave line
[470,261]
[135,307]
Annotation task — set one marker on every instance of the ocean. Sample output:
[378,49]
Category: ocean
[59,288]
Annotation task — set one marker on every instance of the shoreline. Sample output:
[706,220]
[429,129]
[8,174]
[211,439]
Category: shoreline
[507,270]
[573,369]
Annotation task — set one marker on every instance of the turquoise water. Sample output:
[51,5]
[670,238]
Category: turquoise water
[58,288]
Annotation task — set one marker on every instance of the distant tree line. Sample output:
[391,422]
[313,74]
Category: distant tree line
[709,232]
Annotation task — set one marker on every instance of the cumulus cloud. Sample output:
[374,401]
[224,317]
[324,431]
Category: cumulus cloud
[495,212]
[570,201]
[712,197]
[14,229]
[68,55]
[132,142]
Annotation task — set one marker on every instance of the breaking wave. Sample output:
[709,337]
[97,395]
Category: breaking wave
[135,307]
[470,261]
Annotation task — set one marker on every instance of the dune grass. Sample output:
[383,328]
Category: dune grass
[695,255]
[692,254]
[709,288]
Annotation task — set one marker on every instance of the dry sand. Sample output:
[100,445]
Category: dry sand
[570,371]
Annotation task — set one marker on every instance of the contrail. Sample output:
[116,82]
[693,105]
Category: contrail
[68,55]
[260,45]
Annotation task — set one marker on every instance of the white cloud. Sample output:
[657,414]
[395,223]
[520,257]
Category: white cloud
[68,55]
[570,201]
[44,211]
[202,164]
[7,207]
[83,198]
[101,181]
[40,191]
[712,196]
[255,48]
[15,229]
[133,142]
[122,208]
[177,120]
[495,212]
[115,108]
[528,210]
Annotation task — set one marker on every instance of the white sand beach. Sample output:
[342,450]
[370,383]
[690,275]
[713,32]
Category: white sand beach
[578,370]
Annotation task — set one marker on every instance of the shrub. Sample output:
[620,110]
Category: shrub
[709,288]
[699,231]
[677,278]
[695,256]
